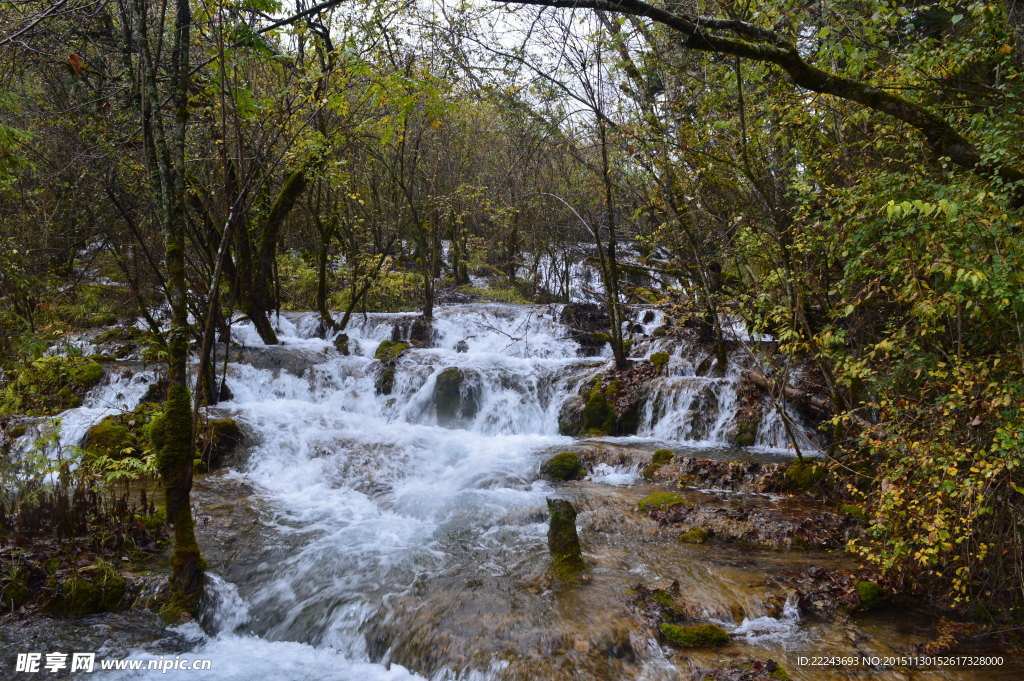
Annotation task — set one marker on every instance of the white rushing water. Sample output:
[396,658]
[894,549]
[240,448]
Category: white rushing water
[365,495]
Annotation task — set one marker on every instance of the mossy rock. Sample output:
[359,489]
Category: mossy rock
[49,385]
[697,535]
[389,350]
[660,501]
[694,636]
[659,360]
[563,467]
[659,459]
[598,413]
[871,595]
[118,436]
[800,477]
[665,603]
[570,416]
[100,588]
[456,398]
[341,344]
[216,440]
[854,511]
[601,337]
[564,543]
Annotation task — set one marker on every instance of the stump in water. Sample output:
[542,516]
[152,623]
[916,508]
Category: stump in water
[564,544]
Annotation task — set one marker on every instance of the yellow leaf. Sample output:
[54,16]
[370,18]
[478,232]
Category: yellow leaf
[1006,49]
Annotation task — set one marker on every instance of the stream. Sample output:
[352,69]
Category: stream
[357,539]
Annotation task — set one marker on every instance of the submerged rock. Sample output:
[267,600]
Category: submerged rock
[694,636]
[563,467]
[564,544]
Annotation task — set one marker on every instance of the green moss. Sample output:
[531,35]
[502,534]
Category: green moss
[665,602]
[659,501]
[871,595]
[659,459]
[854,510]
[601,337]
[99,588]
[49,385]
[802,477]
[562,467]
[564,544]
[780,674]
[697,535]
[659,360]
[111,437]
[389,350]
[598,413]
[694,636]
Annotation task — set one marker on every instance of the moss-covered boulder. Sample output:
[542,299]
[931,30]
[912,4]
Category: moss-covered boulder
[871,595]
[564,544]
[99,588]
[697,535]
[801,477]
[389,350]
[854,511]
[456,397]
[120,436]
[661,501]
[694,636]
[49,385]
[562,467]
[658,459]
[609,410]
[659,360]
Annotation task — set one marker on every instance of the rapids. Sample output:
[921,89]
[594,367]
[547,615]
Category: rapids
[358,539]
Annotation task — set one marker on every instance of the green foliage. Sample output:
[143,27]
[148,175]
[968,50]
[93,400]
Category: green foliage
[49,385]
[93,589]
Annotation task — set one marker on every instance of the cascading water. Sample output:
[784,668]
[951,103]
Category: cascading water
[359,539]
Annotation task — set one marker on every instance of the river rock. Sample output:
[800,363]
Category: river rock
[564,544]
[456,396]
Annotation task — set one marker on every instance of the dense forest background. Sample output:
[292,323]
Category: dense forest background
[843,177]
